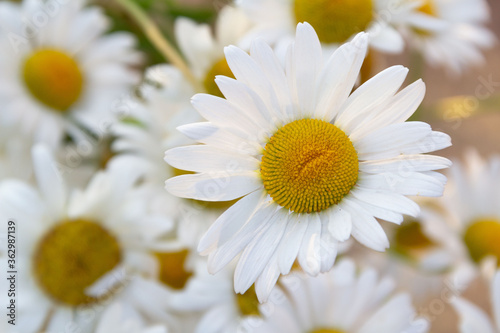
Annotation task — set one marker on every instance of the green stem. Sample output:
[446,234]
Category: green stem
[156,38]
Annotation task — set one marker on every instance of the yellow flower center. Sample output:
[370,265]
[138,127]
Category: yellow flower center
[219,68]
[248,303]
[172,270]
[53,78]
[325,330]
[482,238]
[428,8]
[410,237]
[71,257]
[309,165]
[335,20]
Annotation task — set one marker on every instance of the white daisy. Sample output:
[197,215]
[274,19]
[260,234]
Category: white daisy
[204,50]
[58,72]
[335,22]
[473,319]
[449,33]
[336,302]
[313,163]
[470,226]
[79,250]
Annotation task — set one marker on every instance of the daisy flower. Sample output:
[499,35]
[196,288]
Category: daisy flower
[451,34]
[312,163]
[335,22]
[204,50]
[470,226]
[473,319]
[81,249]
[339,301]
[59,73]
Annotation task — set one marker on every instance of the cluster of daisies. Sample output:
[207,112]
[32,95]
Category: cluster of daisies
[266,181]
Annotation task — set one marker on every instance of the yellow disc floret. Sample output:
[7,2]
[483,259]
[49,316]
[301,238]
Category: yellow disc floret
[335,20]
[71,257]
[428,8]
[483,239]
[172,268]
[309,165]
[248,303]
[325,330]
[53,78]
[219,68]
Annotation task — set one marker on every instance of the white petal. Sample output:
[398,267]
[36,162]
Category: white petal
[308,63]
[265,57]
[339,224]
[394,316]
[404,163]
[309,253]
[365,229]
[203,158]
[287,252]
[246,102]
[214,186]
[247,71]
[364,104]
[390,141]
[398,109]
[409,183]
[49,179]
[472,318]
[338,77]
[224,115]
[256,255]
[212,135]
[387,200]
[227,251]
[229,222]
[267,279]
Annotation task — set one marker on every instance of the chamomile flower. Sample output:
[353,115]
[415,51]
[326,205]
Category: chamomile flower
[312,163]
[471,224]
[451,34]
[474,319]
[81,249]
[204,51]
[58,71]
[335,22]
[339,301]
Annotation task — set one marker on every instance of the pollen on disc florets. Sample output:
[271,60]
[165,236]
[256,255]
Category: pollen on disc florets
[335,20]
[481,239]
[309,165]
[71,257]
[53,78]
